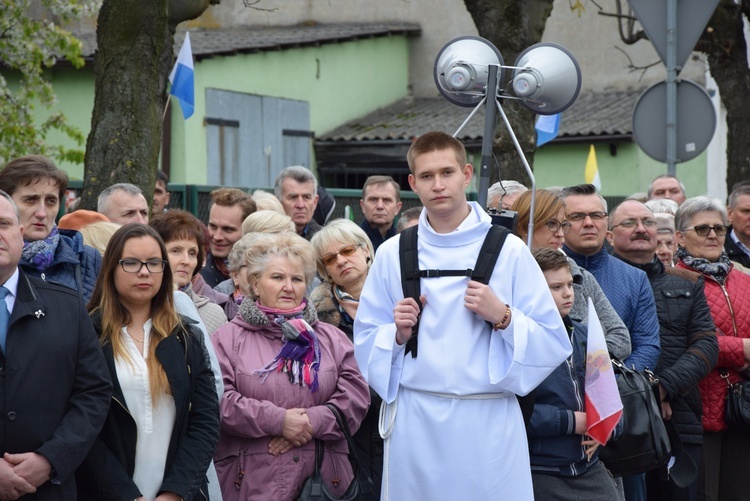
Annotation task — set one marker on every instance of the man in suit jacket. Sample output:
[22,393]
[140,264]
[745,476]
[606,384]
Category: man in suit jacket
[54,385]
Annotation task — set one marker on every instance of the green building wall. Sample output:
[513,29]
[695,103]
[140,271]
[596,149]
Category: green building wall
[340,81]
[623,173]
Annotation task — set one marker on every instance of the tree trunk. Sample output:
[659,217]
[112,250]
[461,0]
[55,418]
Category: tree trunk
[512,26]
[134,57]
[726,47]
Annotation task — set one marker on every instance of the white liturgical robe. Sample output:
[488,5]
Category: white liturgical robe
[458,431]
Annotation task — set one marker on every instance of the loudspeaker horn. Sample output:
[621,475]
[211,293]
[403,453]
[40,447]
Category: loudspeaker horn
[461,70]
[547,78]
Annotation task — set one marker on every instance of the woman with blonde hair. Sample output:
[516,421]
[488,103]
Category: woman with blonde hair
[267,221]
[97,235]
[344,254]
[162,425]
[550,228]
[281,367]
[267,201]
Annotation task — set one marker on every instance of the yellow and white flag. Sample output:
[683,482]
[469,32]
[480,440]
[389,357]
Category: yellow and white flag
[592,170]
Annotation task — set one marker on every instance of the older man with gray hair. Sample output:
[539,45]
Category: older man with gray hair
[123,203]
[297,189]
[502,194]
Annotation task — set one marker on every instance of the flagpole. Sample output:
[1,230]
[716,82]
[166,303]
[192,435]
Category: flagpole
[166,107]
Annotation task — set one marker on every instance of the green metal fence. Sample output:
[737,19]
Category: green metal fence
[196,199]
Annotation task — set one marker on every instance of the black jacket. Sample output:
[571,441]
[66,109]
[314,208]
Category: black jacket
[734,252]
[54,385]
[107,472]
[689,349]
[210,272]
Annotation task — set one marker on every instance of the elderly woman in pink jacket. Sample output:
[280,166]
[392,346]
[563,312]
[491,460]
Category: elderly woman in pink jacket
[280,368]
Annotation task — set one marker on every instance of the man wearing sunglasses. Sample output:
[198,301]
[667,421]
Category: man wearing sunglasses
[687,336]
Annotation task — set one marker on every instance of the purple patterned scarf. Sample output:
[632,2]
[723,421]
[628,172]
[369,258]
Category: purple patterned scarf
[299,357]
[41,253]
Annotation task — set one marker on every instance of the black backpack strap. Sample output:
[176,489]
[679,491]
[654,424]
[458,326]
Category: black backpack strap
[410,278]
[489,253]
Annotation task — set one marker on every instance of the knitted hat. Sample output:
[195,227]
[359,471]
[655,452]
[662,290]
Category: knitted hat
[80,218]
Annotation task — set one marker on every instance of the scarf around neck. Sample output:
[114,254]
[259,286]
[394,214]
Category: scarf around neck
[718,270]
[41,253]
[299,357]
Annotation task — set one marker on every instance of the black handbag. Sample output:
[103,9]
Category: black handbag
[737,408]
[644,444]
[361,488]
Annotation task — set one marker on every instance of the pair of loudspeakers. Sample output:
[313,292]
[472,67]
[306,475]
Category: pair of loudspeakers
[546,77]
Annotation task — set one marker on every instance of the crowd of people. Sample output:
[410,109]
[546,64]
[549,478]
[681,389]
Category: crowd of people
[146,355]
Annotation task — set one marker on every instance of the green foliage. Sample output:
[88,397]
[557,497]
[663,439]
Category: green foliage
[27,47]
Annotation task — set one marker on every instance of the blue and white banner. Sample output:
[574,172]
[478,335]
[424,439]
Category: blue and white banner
[182,79]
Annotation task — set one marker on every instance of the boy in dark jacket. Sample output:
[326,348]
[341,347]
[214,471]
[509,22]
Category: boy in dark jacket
[564,461]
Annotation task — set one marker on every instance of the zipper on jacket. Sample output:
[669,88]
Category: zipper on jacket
[579,403]
[726,296]
[731,310]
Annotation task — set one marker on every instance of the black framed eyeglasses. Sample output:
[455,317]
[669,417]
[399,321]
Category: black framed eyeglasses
[135,265]
[554,226]
[632,223]
[577,217]
[702,230]
[345,251]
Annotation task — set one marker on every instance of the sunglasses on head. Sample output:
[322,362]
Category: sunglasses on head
[346,251]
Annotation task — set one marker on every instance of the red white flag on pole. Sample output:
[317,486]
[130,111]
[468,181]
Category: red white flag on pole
[603,404]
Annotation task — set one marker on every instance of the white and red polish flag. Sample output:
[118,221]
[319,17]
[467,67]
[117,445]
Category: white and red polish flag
[603,404]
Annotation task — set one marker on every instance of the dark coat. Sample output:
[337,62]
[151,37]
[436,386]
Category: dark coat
[54,386]
[75,265]
[107,472]
[210,273]
[311,229]
[734,252]
[374,234]
[689,348]
[367,438]
[554,446]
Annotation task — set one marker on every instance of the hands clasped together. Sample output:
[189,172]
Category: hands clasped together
[297,431]
[21,474]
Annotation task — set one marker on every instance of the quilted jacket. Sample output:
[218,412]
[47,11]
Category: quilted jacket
[730,309]
[689,349]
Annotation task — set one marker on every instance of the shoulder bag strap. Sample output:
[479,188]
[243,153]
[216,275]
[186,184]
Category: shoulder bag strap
[359,472]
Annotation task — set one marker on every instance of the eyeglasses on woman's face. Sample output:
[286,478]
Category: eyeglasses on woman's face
[135,265]
[702,230]
[346,251]
[553,225]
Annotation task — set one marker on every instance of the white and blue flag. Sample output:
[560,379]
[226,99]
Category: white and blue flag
[182,79]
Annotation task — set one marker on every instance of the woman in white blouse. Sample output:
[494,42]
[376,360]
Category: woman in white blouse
[162,425]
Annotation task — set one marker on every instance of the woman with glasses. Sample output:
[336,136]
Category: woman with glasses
[281,366]
[701,225]
[162,426]
[344,255]
[550,227]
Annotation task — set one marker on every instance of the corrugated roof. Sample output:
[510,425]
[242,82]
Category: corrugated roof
[247,39]
[593,114]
